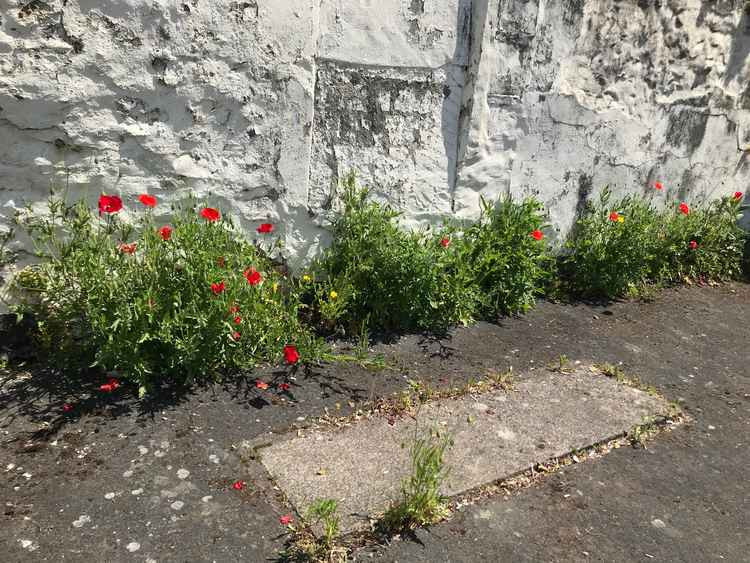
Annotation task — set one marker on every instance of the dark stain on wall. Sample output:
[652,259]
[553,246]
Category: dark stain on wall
[352,107]
[687,127]
[573,12]
[585,187]
[417,7]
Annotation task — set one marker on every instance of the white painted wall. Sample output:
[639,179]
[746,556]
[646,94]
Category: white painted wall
[261,104]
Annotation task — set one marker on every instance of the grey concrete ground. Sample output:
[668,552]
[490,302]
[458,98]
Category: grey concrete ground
[117,479]
[495,435]
[685,498]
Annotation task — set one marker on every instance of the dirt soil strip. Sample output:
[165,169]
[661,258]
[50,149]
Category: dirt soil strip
[495,435]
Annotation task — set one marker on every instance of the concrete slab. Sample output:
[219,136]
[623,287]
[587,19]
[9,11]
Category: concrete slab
[496,435]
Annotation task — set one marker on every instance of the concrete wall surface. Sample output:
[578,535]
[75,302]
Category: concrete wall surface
[263,104]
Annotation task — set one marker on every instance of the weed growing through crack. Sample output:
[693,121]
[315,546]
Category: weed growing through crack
[325,512]
[619,375]
[562,365]
[422,503]
[640,433]
[305,546]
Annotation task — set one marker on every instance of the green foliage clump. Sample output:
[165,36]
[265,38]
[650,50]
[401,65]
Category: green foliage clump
[199,299]
[705,244]
[613,247]
[376,270]
[421,502]
[405,280]
[619,248]
[500,257]
[152,303]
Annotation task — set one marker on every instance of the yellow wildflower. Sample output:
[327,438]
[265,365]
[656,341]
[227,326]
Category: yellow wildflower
[334,295]
[621,219]
[306,278]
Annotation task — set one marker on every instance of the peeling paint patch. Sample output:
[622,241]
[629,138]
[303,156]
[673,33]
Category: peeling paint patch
[687,127]
[364,121]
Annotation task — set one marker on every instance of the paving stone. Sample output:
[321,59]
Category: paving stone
[495,435]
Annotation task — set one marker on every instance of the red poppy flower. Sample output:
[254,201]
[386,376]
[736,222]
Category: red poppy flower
[291,354]
[127,248]
[109,204]
[210,214]
[614,216]
[238,485]
[684,208]
[261,384]
[234,309]
[537,234]
[286,520]
[236,335]
[218,288]
[693,244]
[445,242]
[253,277]
[165,232]
[265,228]
[67,407]
[110,386]
[737,195]
[658,185]
[237,320]
[147,200]
[284,386]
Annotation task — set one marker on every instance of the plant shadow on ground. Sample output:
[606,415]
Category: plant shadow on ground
[436,344]
[38,393]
